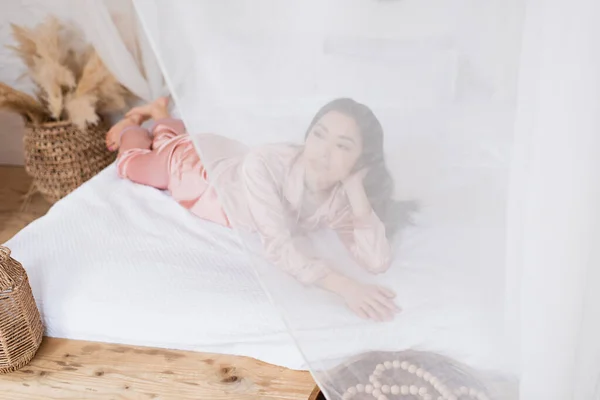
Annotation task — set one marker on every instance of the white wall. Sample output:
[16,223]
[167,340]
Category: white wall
[11,139]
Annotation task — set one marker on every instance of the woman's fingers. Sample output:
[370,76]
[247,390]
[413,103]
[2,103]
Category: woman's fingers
[133,113]
[387,303]
[145,109]
[139,113]
[368,311]
[384,313]
[374,302]
[360,312]
[379,312]
[386,292]
[371,312]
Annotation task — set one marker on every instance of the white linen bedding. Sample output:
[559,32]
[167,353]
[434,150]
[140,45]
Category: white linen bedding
[120,262]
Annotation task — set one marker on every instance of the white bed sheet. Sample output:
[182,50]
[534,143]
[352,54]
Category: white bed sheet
[123,263]
[120,262]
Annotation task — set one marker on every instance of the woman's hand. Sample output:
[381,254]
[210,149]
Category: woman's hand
[371,301]
[357,197]
[355,181]
[367,301]
[158,109]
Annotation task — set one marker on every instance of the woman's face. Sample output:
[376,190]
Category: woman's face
[331,151]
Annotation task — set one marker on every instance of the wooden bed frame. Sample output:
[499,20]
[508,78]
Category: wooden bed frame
[72,369]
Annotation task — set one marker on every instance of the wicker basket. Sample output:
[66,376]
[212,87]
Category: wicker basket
[21,327]
[60,157]
[316,394]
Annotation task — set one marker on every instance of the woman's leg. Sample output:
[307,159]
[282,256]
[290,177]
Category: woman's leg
[134,137]
[139,157]
[146,168]
[138,162]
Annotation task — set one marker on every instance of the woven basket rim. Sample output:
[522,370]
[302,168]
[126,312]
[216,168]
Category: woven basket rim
[4,276]
[56,124]
[4,253]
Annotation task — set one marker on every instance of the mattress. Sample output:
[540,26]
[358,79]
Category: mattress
[120,262]
[123,263]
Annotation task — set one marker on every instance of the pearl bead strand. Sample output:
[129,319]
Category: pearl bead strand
[379,391]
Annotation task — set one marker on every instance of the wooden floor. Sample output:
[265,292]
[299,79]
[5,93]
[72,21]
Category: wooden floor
[68,369]
[14,185]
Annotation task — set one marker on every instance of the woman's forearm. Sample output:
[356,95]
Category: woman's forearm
[335,282]
[357,197]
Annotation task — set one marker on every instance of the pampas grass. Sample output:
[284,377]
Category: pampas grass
[81,105]
[70,85]
[97,90]
[81,109]
[26,47]
[31,109]
[44,52]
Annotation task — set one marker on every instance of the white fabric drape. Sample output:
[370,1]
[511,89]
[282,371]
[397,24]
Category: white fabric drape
[554,233]
[113,28]
[230,67]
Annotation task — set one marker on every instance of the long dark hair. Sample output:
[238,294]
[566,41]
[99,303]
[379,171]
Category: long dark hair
[378,182]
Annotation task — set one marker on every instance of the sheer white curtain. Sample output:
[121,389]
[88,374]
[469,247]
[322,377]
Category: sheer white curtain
[517,167]
[113,28]
[555,181]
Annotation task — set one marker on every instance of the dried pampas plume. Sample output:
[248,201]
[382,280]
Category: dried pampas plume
[48,76]
[97,91]
[40,50]
[81,104]
[72,84]
[82,110]
[26,47]
[23,104]
[111,96]
[94,73]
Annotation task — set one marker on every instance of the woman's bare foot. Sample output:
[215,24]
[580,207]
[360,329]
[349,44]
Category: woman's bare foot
[113,136]
[158,109]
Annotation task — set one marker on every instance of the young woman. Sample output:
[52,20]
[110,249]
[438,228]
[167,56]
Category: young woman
[336,178]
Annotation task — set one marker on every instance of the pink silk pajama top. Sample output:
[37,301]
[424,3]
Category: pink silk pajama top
[262,190]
